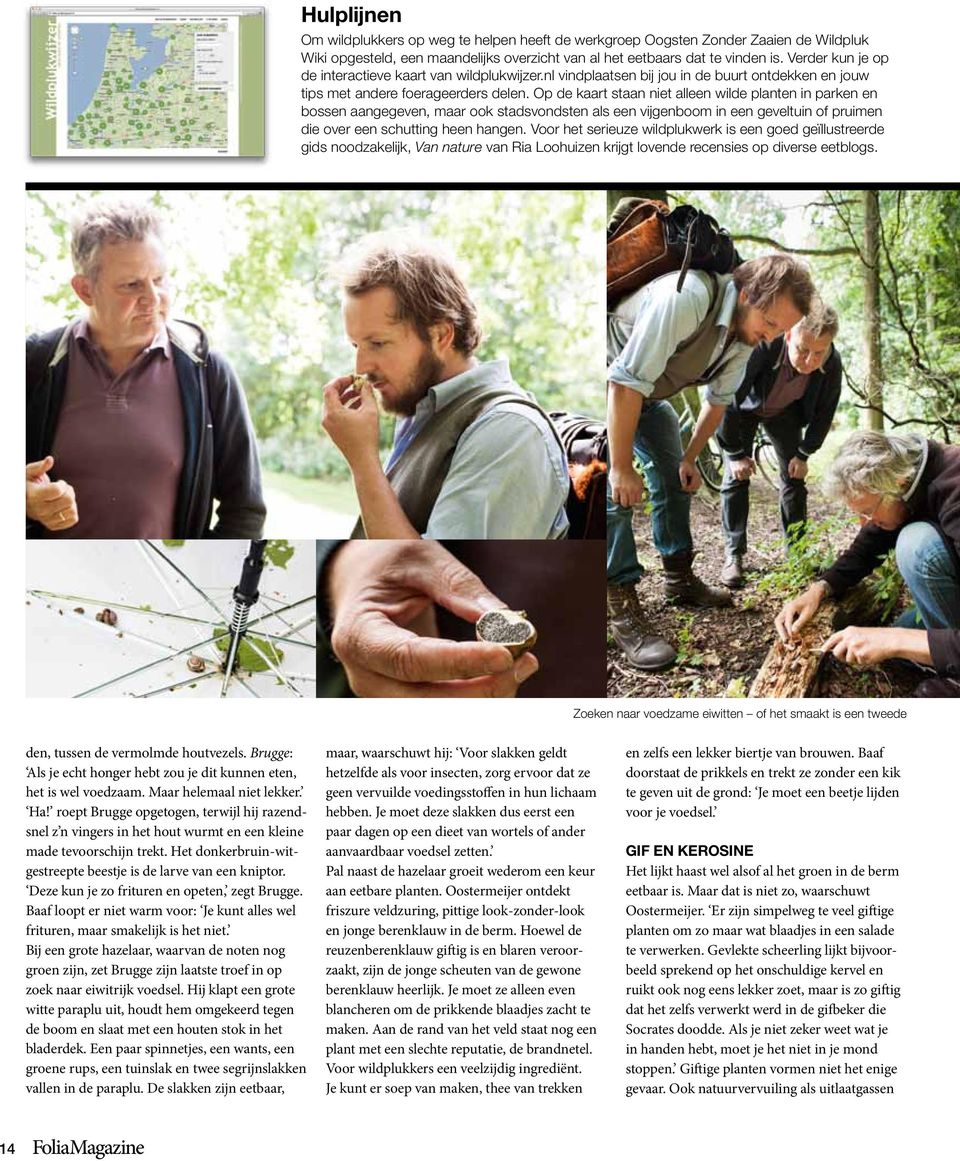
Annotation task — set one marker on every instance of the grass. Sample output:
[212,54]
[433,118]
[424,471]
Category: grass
[332,495]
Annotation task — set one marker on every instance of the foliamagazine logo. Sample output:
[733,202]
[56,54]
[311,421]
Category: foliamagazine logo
[87,1148]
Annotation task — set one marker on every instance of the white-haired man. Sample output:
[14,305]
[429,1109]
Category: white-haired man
[135,428]
[905,490]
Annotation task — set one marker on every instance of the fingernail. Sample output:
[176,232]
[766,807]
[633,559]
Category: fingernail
[488,602]
[526,667]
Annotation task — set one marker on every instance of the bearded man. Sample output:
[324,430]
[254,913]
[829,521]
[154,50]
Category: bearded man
[474,457]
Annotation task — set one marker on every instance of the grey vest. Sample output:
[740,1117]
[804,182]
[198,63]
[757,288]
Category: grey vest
[692,362]
[419,474]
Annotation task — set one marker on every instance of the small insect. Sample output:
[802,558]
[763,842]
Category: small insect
[196,664]
[107,617]
[509,628]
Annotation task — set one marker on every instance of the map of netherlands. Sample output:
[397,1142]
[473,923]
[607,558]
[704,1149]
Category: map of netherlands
[134,86]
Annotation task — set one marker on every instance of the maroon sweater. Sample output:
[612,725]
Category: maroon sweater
[937,501]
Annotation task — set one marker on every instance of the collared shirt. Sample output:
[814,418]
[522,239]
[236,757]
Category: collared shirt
[119,440]
[508,479]
[648,326]
[787,388]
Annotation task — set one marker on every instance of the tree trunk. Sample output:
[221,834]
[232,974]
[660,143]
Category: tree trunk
[871,311]
[794,670]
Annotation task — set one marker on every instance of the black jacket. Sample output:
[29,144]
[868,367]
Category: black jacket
[815,410]
[935,500]
[220,452]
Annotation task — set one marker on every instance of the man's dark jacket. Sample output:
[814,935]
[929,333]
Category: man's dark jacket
[936,499]
[220,452]
[815,409]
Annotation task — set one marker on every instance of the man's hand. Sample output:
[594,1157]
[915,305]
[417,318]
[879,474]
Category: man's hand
[865,647]
[351,419]
[797,469]
[798,612]
[690,478]
[626,487]
[52,504]
[382,597]
[742,469]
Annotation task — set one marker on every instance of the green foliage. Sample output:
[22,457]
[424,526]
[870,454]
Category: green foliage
[919,313]
[886,586]
[809,552]
[254,654]
[741,211]
[303,456]
[812,551]
[279,552]
[687,651]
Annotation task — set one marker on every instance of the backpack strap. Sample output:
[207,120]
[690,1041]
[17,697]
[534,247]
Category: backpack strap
[419,474]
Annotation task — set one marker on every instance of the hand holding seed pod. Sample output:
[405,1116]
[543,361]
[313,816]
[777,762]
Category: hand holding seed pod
[351,417]
[508,628]
[351,394]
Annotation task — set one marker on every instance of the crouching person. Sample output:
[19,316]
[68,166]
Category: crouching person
[906,492]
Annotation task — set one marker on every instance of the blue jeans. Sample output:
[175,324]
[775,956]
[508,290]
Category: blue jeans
[785,431]
[656,444]
[930,573]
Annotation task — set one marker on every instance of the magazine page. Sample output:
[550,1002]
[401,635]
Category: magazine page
[586,507]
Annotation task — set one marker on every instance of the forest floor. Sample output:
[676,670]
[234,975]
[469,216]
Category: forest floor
[720,650]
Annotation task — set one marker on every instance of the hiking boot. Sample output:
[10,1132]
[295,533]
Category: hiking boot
[643,651]
[732,574]
[938,687]
[681,587]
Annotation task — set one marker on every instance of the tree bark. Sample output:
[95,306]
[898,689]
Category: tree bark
[794,670]
[871,311]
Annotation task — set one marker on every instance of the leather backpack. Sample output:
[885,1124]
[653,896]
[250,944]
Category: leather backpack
[646,238]
[584,442]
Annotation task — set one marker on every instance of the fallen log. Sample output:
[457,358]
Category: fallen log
[794,670]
